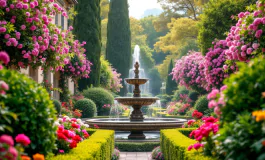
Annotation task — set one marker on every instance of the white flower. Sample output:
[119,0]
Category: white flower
[60,120]
[86,125]
[56,123]
[79,121]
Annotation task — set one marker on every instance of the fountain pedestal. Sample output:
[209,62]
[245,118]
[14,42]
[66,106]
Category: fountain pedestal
[137,114]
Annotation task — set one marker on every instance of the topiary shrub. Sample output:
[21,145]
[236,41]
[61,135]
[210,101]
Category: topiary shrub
[35,111]
[57,105]
[87,106]
[201,104]
[100,97]
[193,95]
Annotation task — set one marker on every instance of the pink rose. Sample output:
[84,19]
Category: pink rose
[7,140]
[23,139]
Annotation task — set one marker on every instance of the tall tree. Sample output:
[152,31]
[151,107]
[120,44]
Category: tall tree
[118,51]
[171,85]
[87,28]
[217,19]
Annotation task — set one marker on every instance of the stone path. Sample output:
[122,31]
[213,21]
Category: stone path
[135,156]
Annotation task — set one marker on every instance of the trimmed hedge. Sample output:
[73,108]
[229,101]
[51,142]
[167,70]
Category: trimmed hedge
[186,131]
[202,104]
[87,106]
[174,146]
[99,146]
[136,147]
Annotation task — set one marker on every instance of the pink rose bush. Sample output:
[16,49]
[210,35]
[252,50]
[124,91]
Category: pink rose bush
[8,149]
[27,33]
[115,84]
[215,68]
[204,132]
[245,38]
[216,100]
[70,132]
[188,71]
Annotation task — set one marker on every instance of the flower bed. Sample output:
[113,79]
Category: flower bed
[98,147]
[174,145]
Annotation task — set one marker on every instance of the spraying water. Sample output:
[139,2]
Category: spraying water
[136,58]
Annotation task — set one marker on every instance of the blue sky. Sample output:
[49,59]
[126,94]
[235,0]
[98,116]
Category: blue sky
[137,7]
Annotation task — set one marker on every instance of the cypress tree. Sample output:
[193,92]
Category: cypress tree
[87,27]
[171,85]
[118,51]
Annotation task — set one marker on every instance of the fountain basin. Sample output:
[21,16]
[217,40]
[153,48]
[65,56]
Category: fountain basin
[137,81]
[148,124]
[130,101]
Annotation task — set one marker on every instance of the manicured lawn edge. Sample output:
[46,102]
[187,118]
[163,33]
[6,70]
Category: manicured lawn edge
[136,147]
[99,146]
[174,146]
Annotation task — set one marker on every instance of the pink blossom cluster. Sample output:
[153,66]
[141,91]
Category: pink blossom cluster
[7,148]
[70,132]
[216,99]
[106,106]
[189,71]
[245,39]
[115,84]
[209,126]
[215,69]
[4,59]
[28,34]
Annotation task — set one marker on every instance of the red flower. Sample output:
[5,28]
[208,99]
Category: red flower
[96,126]
[86,135]
[197,115]
[73,144]
[61,136]
[74,125]
[77,138]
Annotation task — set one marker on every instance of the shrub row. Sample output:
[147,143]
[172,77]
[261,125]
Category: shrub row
[174,146]
[136,147]
[98,147]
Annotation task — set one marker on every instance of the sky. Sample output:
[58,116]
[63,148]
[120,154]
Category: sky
[137,7]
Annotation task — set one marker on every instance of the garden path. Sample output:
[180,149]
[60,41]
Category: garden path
[135,156]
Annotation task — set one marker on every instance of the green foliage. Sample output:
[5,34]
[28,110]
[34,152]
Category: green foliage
[248,84]
[35,112]
[87,106]
[118,51]
[181,90]
[242,138]
[98,147]
[136,147]
[100,97]
[155,81]
[87,27]
[174,146]
[171,85]
[193,95]
[57,105]
[201,104]
[164,99]
[146,59]
[216,20]
[105,73]
[186,131]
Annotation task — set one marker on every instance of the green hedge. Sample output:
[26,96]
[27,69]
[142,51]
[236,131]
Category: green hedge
[174,146]
[186,131]
[99,146]
[176,116]
[136,147]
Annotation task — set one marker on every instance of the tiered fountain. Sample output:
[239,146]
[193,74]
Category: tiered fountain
[136,124]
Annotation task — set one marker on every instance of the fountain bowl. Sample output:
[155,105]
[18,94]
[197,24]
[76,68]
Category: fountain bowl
[137,81]
[130,101]
[148,124]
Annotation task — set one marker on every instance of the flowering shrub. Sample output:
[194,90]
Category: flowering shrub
[115,154]
[188,71]
[245,40]
[69,133]
[157,154]
[215,69]
[109,77]
[216,98]
[11,151]
[28,35]
[204,133]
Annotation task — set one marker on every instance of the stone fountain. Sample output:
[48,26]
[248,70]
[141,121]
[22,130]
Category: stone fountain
[137,123]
